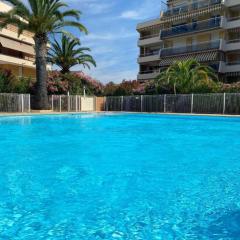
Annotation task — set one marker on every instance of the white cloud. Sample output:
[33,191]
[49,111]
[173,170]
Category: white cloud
[132,14]
[146,9]
[111,36]
[93,7]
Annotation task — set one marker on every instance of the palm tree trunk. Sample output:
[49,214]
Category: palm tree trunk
[41,97]
[174,87]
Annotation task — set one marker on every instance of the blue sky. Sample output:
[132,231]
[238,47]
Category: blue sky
[113,36]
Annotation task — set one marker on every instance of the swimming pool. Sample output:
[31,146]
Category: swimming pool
[119,176]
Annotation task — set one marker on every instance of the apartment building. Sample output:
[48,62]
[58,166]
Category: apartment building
[17,53]
[205,30]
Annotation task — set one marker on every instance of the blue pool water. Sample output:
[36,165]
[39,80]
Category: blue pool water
[123,176]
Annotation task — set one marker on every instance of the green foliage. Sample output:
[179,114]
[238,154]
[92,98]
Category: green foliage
[188,77]
[41,17]
[125,88]
[10,84]
[68,53]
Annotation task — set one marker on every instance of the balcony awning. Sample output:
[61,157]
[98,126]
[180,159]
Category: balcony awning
[17,46]
[193,13]
[200,57]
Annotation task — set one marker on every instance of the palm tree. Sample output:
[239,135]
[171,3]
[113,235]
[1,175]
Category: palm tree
[42,18]
[68,53]
[186,75]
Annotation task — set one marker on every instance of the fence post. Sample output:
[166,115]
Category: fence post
[52,104]
[22,102]
[29,103]
[60,103]
[68,102]
[95,103]
[76,103]
[164,103]
[141,103]
[224,103]
[122,103]
[80,103]
[106,105]
[192,103]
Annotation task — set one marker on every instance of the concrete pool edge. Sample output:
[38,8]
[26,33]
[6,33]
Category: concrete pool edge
[112,112]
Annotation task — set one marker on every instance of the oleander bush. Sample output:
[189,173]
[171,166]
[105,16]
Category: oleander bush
[74,83]
[125,88]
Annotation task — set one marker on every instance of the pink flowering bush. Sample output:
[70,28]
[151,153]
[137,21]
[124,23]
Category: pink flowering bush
[73,83]
[56,84]
[125,88]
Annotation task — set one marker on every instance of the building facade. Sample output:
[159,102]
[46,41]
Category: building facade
[205,30]
[17,53]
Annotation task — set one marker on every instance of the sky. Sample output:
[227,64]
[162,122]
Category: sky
[112,35]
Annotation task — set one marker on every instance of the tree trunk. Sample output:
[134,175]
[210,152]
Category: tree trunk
[41,97]
[174,87]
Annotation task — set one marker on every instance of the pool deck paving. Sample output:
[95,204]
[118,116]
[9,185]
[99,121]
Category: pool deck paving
[49,112]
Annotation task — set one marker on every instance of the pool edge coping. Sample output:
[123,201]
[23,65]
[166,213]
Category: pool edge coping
[116,112]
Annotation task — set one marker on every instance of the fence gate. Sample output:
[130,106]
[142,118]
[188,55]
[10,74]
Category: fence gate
[71,103]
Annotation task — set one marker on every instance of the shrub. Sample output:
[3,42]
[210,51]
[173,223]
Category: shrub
[73,83]
[231,88]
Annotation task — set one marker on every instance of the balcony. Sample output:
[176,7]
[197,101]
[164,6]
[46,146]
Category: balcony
[147,75]
[232,3]
[232,23]
[149,23]
[6,59]
[149,40]
[230,67]
[149,56]
[191,7]
[232,45]
[213,45]
[191,28]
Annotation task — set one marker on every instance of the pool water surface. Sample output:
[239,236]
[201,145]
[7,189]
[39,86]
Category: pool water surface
[119,176]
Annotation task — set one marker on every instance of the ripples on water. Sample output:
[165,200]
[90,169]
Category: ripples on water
[119,177]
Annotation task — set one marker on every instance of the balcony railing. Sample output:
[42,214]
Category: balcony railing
[237,40]
[231,63]
[230,19]
[151,53]
[149,36]
[150,71]
[190,48]
[192,27]
[190,7]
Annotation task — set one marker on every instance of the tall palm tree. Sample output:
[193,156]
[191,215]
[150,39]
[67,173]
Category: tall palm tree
[185,75]
[68,53]
[42,18]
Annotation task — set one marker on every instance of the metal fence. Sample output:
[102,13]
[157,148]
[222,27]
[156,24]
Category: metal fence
[11,102]
[72,103]
[219,103]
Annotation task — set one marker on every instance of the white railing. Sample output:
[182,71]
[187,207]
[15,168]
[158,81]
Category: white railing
[72,103]
[201,46]
[190,7]
[12,102]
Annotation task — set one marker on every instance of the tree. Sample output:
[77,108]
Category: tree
[42,18]
[68,53]
[186,76]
